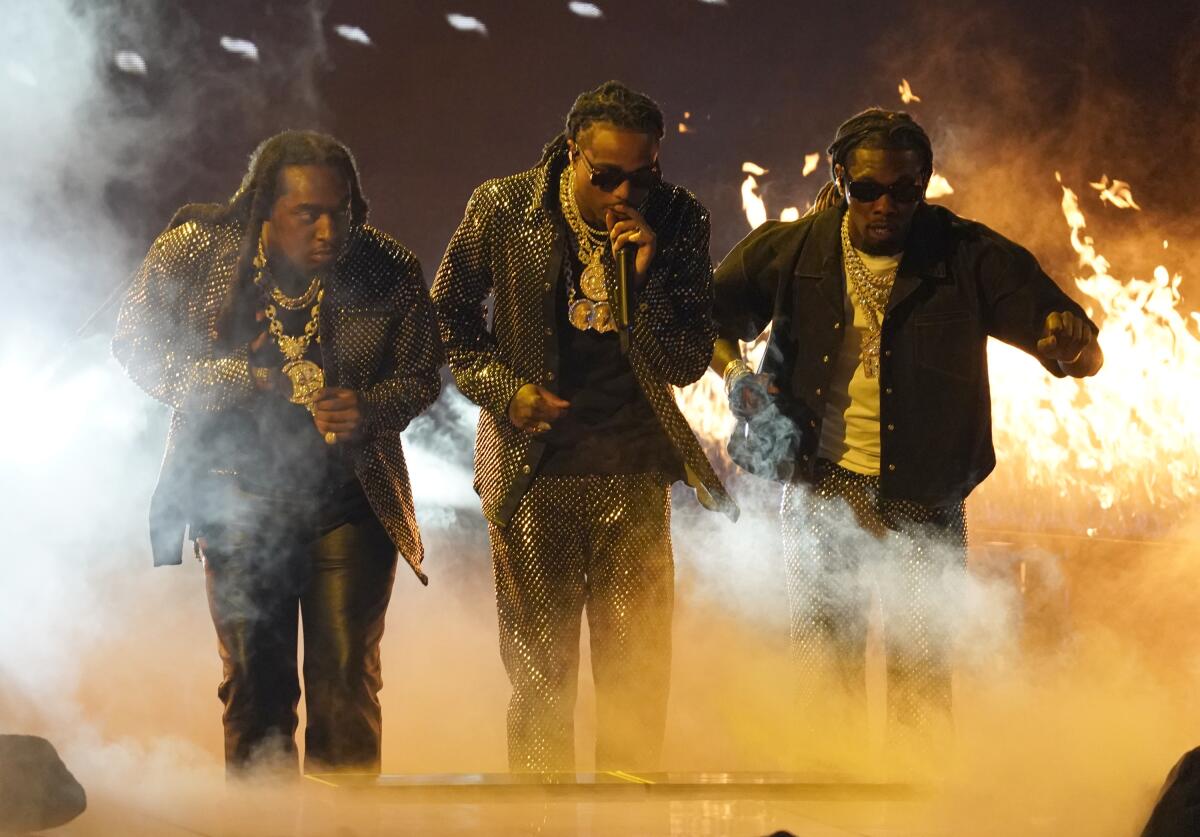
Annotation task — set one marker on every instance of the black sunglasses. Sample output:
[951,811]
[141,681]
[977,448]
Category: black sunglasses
[609,179]
[867,191]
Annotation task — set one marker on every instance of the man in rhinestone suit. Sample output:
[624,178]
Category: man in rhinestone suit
[578,444]
[880,307]
[294,343]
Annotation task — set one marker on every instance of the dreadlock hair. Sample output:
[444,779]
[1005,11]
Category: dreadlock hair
[891,130]
[254,199]
[613,103]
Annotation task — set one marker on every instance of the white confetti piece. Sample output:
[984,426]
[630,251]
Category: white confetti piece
[811,161]
[906,94]
[585,9]
[353,33]
[128,61]
[753,168]
[466,23]
[239,46]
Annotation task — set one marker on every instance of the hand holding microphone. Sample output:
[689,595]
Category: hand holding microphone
[627,228]
[634,245]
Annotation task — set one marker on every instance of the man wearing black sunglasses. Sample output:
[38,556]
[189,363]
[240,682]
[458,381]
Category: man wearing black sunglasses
[873,407]
[579,442]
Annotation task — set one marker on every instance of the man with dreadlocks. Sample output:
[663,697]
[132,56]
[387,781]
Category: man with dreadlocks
[579,443]
[873,402]
[294,343]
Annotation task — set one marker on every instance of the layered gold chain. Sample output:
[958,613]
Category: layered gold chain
[292,347]
[871,291]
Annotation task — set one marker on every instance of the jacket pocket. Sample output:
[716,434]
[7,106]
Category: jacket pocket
[948,342]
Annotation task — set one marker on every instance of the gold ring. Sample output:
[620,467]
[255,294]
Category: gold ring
[331,438]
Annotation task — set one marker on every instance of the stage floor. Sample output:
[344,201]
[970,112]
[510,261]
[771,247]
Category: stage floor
[748,804]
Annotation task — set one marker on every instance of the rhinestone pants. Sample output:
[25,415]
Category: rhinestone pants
[840,539]
[600,543]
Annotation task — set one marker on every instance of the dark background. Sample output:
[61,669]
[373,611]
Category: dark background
[431,112]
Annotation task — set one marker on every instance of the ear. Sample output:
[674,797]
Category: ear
[571,149]
[839,173]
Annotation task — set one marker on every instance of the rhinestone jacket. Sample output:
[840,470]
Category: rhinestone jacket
[378,337]
[510,248]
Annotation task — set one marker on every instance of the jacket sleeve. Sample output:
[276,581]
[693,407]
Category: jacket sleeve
[746,282]
[1018,296]
[163,338]
[673,329]
[410,382]
[463,283]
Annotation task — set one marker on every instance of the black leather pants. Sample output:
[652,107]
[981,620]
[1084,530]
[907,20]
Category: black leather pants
[263,558]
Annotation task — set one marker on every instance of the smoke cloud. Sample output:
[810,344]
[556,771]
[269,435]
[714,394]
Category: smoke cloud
[1077,665]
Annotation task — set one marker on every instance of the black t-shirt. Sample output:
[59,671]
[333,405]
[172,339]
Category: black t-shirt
[279,451]
[610,427]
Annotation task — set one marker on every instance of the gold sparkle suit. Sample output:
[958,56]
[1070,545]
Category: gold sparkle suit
[561,543]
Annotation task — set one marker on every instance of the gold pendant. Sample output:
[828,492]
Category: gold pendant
[307,381]
[581,313]
[602,318]
[592,282]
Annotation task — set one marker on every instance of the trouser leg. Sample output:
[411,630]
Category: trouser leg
[829,603]
[538,564]
[929,544]
[352,569]
[630,600]
[253,601]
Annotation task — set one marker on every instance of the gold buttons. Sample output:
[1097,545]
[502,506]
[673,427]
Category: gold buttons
[825,359]
[888,390]
[891,467]
[818,390]
[891,426]
[525,469]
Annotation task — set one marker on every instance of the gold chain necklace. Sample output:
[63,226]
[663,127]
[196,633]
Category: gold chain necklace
[307,378]
[872,292]
[295,303]
[593,312]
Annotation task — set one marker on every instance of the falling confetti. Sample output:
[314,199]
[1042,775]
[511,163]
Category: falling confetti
[810,163]
[353,33]
[128,61]
[753,168]
[790,213]
[1117,193]
[241,47]
[906,94]
[585,9]
[938,187]
[683,129]
[466,23]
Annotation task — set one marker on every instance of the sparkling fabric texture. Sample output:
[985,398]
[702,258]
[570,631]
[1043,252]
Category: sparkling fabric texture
[510,248]
[840,539]
[603,542]
[378,337]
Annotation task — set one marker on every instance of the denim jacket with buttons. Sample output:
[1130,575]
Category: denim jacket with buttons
[958,284]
